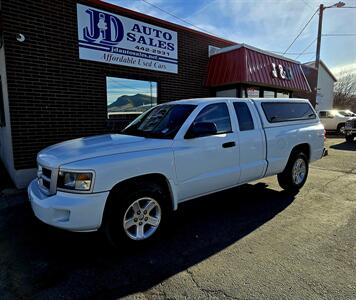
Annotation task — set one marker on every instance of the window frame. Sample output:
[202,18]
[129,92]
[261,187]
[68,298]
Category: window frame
[237,117]
[287,120]
[205,107]
[142,79]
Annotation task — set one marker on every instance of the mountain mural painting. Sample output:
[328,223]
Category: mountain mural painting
[134,103]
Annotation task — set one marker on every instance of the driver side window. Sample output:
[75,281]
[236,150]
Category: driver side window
[218,114]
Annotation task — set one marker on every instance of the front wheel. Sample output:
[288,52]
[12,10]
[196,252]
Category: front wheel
[135,214]
[295,173]
[349,138]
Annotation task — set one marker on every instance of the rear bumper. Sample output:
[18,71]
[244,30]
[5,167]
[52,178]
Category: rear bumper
[75,212]
[325,152]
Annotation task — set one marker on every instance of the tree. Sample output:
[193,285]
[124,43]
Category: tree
[345,90]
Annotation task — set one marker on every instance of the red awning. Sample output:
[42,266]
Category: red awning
[245,64]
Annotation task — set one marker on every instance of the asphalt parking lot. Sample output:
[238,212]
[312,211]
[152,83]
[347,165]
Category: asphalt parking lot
[251,242]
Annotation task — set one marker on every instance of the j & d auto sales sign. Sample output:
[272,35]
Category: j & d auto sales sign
[114,39]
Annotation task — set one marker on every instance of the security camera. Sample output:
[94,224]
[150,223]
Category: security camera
[20,37]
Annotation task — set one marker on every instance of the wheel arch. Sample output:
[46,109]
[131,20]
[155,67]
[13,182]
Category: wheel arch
[152,177]
[303,147]
[339,125]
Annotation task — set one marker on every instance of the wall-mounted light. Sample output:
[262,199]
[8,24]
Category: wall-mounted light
[20,37]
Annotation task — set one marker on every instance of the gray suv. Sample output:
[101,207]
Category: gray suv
[350,129]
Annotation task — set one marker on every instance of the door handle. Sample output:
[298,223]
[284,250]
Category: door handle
[229,145]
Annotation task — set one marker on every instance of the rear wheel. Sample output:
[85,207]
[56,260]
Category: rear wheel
[295,173]
[341,128]
[135,214]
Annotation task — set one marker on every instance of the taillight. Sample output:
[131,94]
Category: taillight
[324,135]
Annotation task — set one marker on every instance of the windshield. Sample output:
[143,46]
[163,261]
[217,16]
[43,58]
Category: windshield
[162,121]
[346,113]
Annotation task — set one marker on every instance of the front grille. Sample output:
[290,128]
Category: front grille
[45,177]
[46,184]
[47,172]
[351,123]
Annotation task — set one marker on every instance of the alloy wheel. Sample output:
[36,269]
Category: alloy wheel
[142,218]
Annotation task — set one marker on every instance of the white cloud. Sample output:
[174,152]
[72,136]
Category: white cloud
[342,69]
[267,24]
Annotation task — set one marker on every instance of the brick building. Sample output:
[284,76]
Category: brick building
[79,68]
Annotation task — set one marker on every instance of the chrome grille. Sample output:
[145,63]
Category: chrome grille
[351,123]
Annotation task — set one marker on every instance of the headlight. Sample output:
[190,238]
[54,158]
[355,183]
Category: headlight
[76,181]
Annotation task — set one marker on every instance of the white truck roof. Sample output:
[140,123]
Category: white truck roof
[198,101]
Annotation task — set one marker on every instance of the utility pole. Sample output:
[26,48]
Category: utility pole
[317,58]
[340,4]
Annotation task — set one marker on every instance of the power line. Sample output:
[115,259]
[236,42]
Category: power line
[201,9]
[306,48]
[290,53]
[340,34]
[307,3]
[300,31]
[174,16]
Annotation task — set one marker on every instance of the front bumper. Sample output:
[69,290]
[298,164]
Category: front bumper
[75,212]
[349,131]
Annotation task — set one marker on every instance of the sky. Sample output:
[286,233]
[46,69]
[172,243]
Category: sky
[267,24]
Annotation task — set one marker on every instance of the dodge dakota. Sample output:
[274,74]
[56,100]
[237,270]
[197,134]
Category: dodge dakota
[126,184]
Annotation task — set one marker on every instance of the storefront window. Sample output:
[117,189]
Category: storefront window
[283,94]
[268,94]
[253,92]
[127,96]
[2,111]
[226,93]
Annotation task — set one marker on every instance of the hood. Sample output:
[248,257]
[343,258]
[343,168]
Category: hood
[96,146]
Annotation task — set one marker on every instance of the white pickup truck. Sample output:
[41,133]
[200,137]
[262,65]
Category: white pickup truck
[125,184]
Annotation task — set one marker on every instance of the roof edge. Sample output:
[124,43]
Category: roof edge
[312,64]
[238,46]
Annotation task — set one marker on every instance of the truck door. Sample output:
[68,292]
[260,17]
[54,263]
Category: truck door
[252,145]
[209,163]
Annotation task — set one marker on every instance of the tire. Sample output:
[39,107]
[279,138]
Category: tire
[349,138]
[142,207]
[341,128]
[289,180]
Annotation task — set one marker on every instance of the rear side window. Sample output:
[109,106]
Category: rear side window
[287,111]
[244,117]
[217,114]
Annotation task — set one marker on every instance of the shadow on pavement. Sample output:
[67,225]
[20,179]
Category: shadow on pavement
[5,181]
[348,146]
[42,262]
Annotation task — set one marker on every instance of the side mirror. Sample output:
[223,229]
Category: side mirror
[201,129]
